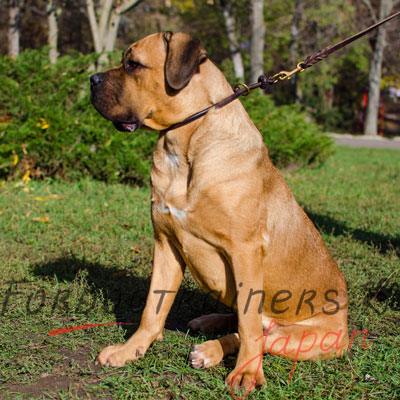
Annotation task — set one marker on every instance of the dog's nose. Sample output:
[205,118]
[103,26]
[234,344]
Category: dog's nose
[96,79]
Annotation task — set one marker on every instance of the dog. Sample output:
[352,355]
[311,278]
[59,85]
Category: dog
[220,208]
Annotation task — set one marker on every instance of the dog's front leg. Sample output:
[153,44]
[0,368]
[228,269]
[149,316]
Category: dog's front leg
[168,269]
[248,272]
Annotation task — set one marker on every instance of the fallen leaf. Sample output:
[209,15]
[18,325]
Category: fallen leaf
[43,219]
[43,124]
[26,178]
[49,197]
[120,272]
[136,248]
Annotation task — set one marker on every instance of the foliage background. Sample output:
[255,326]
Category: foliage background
[49,127]
[322,23]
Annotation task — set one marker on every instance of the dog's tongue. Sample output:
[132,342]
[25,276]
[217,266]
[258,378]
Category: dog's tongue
[127,126]
[130,127]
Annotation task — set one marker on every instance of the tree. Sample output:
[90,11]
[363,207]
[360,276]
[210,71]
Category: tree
[53,10]
[105,30]
[257,39]
[233,42]
[293,47]
[375,71]
[14,26]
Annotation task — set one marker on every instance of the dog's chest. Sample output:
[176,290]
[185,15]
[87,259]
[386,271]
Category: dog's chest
[169,196]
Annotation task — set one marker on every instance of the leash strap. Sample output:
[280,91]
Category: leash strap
[241,89]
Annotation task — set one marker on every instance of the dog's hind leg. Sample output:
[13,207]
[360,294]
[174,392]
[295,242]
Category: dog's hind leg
[212,323]
[319,337]
[212,352]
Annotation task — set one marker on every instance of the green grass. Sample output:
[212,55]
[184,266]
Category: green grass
[82,254]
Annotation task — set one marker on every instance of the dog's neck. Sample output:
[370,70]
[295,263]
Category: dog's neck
[178,151]
[177,141]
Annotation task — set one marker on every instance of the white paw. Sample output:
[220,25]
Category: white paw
[198,358]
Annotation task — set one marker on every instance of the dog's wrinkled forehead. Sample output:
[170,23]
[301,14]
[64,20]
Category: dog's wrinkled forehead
[178,54]
[149,51]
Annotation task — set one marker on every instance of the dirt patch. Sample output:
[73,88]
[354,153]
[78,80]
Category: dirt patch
[66,376]
[51,384]
[48,383]
[80,358]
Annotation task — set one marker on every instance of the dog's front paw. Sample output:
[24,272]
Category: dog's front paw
[118,355]
[245,378]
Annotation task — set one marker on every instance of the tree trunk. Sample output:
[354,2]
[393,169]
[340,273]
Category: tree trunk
[94,27]
[293,48]
[375,72]
[233,42]
[105,31]
[110,38]
[14,28]
[257,39]
[52,12]
[104,16]
[112,31]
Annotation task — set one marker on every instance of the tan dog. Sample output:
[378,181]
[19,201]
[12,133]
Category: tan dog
[220,208]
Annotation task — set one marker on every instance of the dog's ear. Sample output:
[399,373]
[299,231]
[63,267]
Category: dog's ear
[184,55]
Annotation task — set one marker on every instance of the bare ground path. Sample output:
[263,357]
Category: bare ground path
[377,142]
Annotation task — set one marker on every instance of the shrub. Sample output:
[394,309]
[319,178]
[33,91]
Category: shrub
[290,136]
[48,126]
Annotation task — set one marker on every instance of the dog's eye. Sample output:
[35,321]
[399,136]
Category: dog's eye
[131,65]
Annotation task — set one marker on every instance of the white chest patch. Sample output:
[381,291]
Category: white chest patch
[266,238]
[180,214]
[163,208]
[172,159]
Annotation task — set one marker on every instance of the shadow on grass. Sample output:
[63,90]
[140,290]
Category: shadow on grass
[127,292]
[383,292]
[329,225]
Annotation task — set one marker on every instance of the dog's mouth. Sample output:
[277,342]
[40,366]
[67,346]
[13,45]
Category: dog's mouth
[127,126]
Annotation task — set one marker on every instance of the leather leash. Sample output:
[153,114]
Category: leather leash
[264,81]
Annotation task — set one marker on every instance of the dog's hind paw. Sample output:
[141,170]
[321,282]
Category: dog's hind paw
[206,355]
[213,323]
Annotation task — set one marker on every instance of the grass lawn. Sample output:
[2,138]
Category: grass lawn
[80,253]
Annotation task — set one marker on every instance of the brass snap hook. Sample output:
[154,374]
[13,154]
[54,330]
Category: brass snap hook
[283,75]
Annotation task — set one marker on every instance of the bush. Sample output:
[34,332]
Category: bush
[48,126]
[291,138]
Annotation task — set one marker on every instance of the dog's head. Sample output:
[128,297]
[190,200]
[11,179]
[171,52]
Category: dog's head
[151,86]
